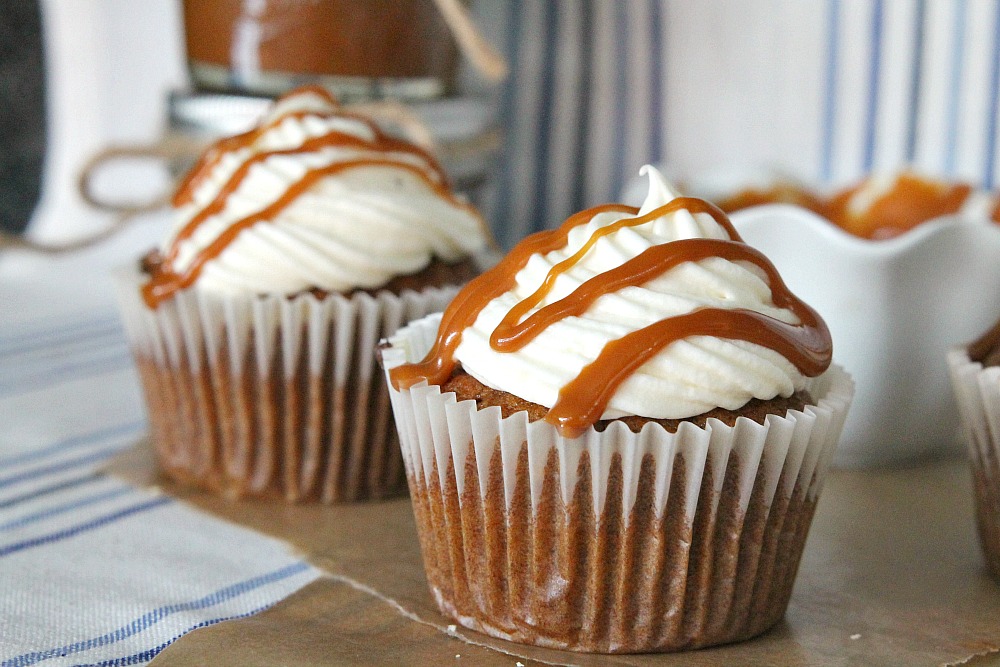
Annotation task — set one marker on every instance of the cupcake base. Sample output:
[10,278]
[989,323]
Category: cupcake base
[617,541]
[977,391]
[272,396]
[986,484]
[467,387]
[563,577]
[269,437]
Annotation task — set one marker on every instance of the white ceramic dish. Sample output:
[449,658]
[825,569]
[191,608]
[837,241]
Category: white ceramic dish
[894,308]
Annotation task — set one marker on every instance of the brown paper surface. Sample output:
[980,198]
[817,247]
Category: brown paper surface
[892,575]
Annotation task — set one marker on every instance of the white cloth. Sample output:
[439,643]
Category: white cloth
[92,570]
[824,90]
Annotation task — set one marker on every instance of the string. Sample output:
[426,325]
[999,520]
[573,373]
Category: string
[178,148]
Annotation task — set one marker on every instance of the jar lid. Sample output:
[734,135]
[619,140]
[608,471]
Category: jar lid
[214,115]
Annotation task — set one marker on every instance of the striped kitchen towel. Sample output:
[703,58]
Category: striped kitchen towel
[94,571]
[825,90]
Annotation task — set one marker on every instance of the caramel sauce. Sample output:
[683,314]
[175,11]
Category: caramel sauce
[330,140]
[199,173]
[165,281]
[308,38]
[911,201]
[582,401]
[208,161]
[464,308]
[995,213]
[779,194]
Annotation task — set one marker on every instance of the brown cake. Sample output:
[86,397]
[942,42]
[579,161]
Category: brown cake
[296,247]
[467,388]
[575,492]
[436,274]
[975,374]
[986,349]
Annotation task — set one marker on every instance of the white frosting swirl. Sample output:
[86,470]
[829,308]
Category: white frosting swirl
[356,228]
[686,378]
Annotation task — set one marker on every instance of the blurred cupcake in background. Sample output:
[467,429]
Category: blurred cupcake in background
[296,247]
[616,438]
[975,375]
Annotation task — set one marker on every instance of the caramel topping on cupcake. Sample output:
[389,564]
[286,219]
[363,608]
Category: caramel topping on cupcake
[606,297]
[315,197]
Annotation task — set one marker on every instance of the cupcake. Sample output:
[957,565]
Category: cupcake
[296,247]
[616,438]
[975,376]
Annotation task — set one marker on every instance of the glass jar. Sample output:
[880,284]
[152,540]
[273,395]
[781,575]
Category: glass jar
[361,50]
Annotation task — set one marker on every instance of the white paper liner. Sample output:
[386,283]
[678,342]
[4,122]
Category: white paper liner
[271,395]
[771,464]
[977,392]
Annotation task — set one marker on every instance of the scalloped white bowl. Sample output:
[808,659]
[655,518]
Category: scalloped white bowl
[894,308]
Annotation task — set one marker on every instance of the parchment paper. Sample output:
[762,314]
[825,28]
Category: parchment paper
[892,575]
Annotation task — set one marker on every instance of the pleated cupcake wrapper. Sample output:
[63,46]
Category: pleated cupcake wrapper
[614,541]
[270,395]
[977,392]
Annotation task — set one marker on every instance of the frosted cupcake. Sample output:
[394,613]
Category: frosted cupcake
[975,376]
[615,440]
[295,248]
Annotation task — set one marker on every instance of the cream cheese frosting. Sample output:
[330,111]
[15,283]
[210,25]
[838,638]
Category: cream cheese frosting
[659,312]
[686,378]
[314,197]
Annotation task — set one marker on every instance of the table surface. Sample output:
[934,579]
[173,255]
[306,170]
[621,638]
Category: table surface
[891,575]
[103,563]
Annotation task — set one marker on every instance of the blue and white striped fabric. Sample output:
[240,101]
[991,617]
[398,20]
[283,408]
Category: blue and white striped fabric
[825,90]
[92,570]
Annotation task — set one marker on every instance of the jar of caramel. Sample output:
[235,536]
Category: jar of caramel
[361,50]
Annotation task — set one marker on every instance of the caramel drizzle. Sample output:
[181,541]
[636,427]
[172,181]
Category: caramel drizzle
[166,281]
[329,140]
[211,158]
[439,363]
[583,400]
